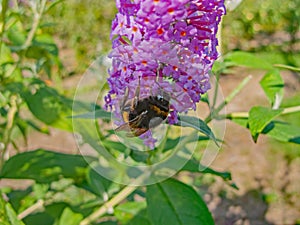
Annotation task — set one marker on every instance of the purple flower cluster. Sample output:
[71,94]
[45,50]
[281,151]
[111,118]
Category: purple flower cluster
[172,41]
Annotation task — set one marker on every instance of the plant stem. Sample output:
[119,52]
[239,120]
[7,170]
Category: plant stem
[292,109]
[36,20]
[4,5]
[111,203]
[282,66]
[114,201]
[9,125]
[38,205]
[214,113]
[245,115]
[233,94]
[215,92]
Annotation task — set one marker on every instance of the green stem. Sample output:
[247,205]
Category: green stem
[36,20]
[292,109]
[233,94]
[219,49]
[129,189]
[214,113]
[4,8]
[113,202]
[245,115]
[216,92]
[282,66]
[9,125]
[33,208]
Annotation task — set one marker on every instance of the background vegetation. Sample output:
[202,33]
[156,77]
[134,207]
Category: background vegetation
[45,44]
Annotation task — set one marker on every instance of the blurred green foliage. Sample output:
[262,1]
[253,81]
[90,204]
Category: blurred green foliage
[260,20]
[84,26]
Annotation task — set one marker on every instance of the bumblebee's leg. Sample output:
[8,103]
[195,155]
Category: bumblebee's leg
[136,95]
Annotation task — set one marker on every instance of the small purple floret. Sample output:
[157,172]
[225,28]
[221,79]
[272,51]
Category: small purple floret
[170,41]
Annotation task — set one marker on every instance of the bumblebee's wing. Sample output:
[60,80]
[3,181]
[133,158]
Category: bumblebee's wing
[131,132]
[132,127]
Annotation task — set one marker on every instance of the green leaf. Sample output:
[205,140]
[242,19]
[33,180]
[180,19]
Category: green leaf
[127,211]
[246,59]
[44,104]
[3,215]
[140,218]
[5,53]
[278,130]
[197,124]
[259,118]
[68,217]
[45,166]
[47,105]
[39,218]
[110,223]
[4,7]
[283,132]
[16,34]
[98,184]
[42,129]
[272,84]
[99,113]
[45,42]
[173,202]
[194,166]
[12,217]
[7,214]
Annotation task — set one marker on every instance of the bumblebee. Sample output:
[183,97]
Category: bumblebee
[144,114]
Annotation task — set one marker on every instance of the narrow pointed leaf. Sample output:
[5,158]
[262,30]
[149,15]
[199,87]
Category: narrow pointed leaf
[194,166]
[99,113]
[259,118]
[197,124]
[272,84]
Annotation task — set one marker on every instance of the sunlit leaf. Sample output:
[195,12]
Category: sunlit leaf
[45,166]
[16,35]
[283,132]
[278,130]
[68,217]
[197,124]
[47,105]
[247,59]
[173,202]
[272,84]
[7,214]
[259,118]
[127,211]
[5,53]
